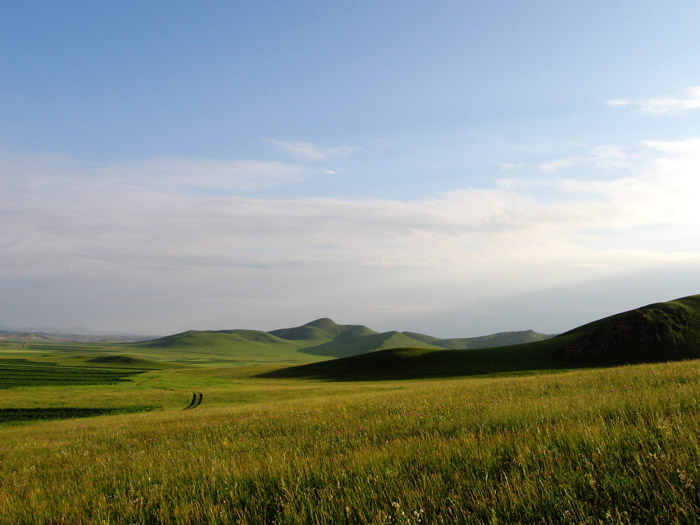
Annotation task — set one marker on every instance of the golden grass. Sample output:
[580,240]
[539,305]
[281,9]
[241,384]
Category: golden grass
[609,445]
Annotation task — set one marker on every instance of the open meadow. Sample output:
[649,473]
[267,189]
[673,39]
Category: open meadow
[605,445]
[201,428]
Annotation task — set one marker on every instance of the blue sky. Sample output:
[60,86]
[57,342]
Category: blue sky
[456,168]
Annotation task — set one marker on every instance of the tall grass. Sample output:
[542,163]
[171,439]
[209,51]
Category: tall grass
[609,445]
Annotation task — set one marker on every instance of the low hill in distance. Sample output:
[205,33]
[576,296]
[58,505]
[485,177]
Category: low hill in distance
[57,337]
[321,339]
[493,340]
[657,332]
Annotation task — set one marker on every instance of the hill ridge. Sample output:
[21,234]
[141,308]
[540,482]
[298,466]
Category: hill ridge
[657,331]
[321,338]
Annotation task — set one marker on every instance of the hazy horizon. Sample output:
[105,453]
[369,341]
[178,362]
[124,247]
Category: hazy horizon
[456,169]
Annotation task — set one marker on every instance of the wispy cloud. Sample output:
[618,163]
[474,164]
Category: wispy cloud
[512,165]
[60,221]
[89,219]
[601,158]
[685,100]
[307,151]
[159,174]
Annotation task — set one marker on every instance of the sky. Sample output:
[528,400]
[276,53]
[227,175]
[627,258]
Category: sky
[451,168]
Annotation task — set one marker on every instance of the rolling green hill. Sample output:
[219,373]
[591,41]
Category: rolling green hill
[421,363]
[657,332]
[318,340]
[224,346]
[493,340]
[356,344]
[486,341]
[322,330]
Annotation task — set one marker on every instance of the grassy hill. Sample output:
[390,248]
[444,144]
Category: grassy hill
[224,346]
[322,330]
[421,363]
[658,332]
[356,344]
[318,340]
[493,340]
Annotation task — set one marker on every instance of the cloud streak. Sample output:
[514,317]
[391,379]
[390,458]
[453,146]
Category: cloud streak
[306,151]
[102,218]
[600,158]
[686,100]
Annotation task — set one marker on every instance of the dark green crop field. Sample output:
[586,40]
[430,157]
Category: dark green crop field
[22,415]
[14,373]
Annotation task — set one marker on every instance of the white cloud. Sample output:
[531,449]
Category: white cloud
[682,148]
[103,219]
[686,100]
[306,151]
[164,174]
[512,165]
[64,221]
[600,158]
[204,173]
[555,165]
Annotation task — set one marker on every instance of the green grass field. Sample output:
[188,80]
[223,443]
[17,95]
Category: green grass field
[612,445]
[96,433]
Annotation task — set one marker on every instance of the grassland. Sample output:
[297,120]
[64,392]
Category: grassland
[517,434]
[612,445]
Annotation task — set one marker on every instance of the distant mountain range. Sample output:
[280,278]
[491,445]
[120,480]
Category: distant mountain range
[325,338]
[47,335]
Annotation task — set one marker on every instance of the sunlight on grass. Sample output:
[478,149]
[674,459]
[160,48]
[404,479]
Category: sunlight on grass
[613,445]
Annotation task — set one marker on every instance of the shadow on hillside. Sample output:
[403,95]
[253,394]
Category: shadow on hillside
[23,415]
[413,363]
[348,346]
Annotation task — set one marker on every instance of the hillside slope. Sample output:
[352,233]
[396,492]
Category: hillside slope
[493,340]
[322,330]
[242,346]
[657,332]
[423,363]
[356,344]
